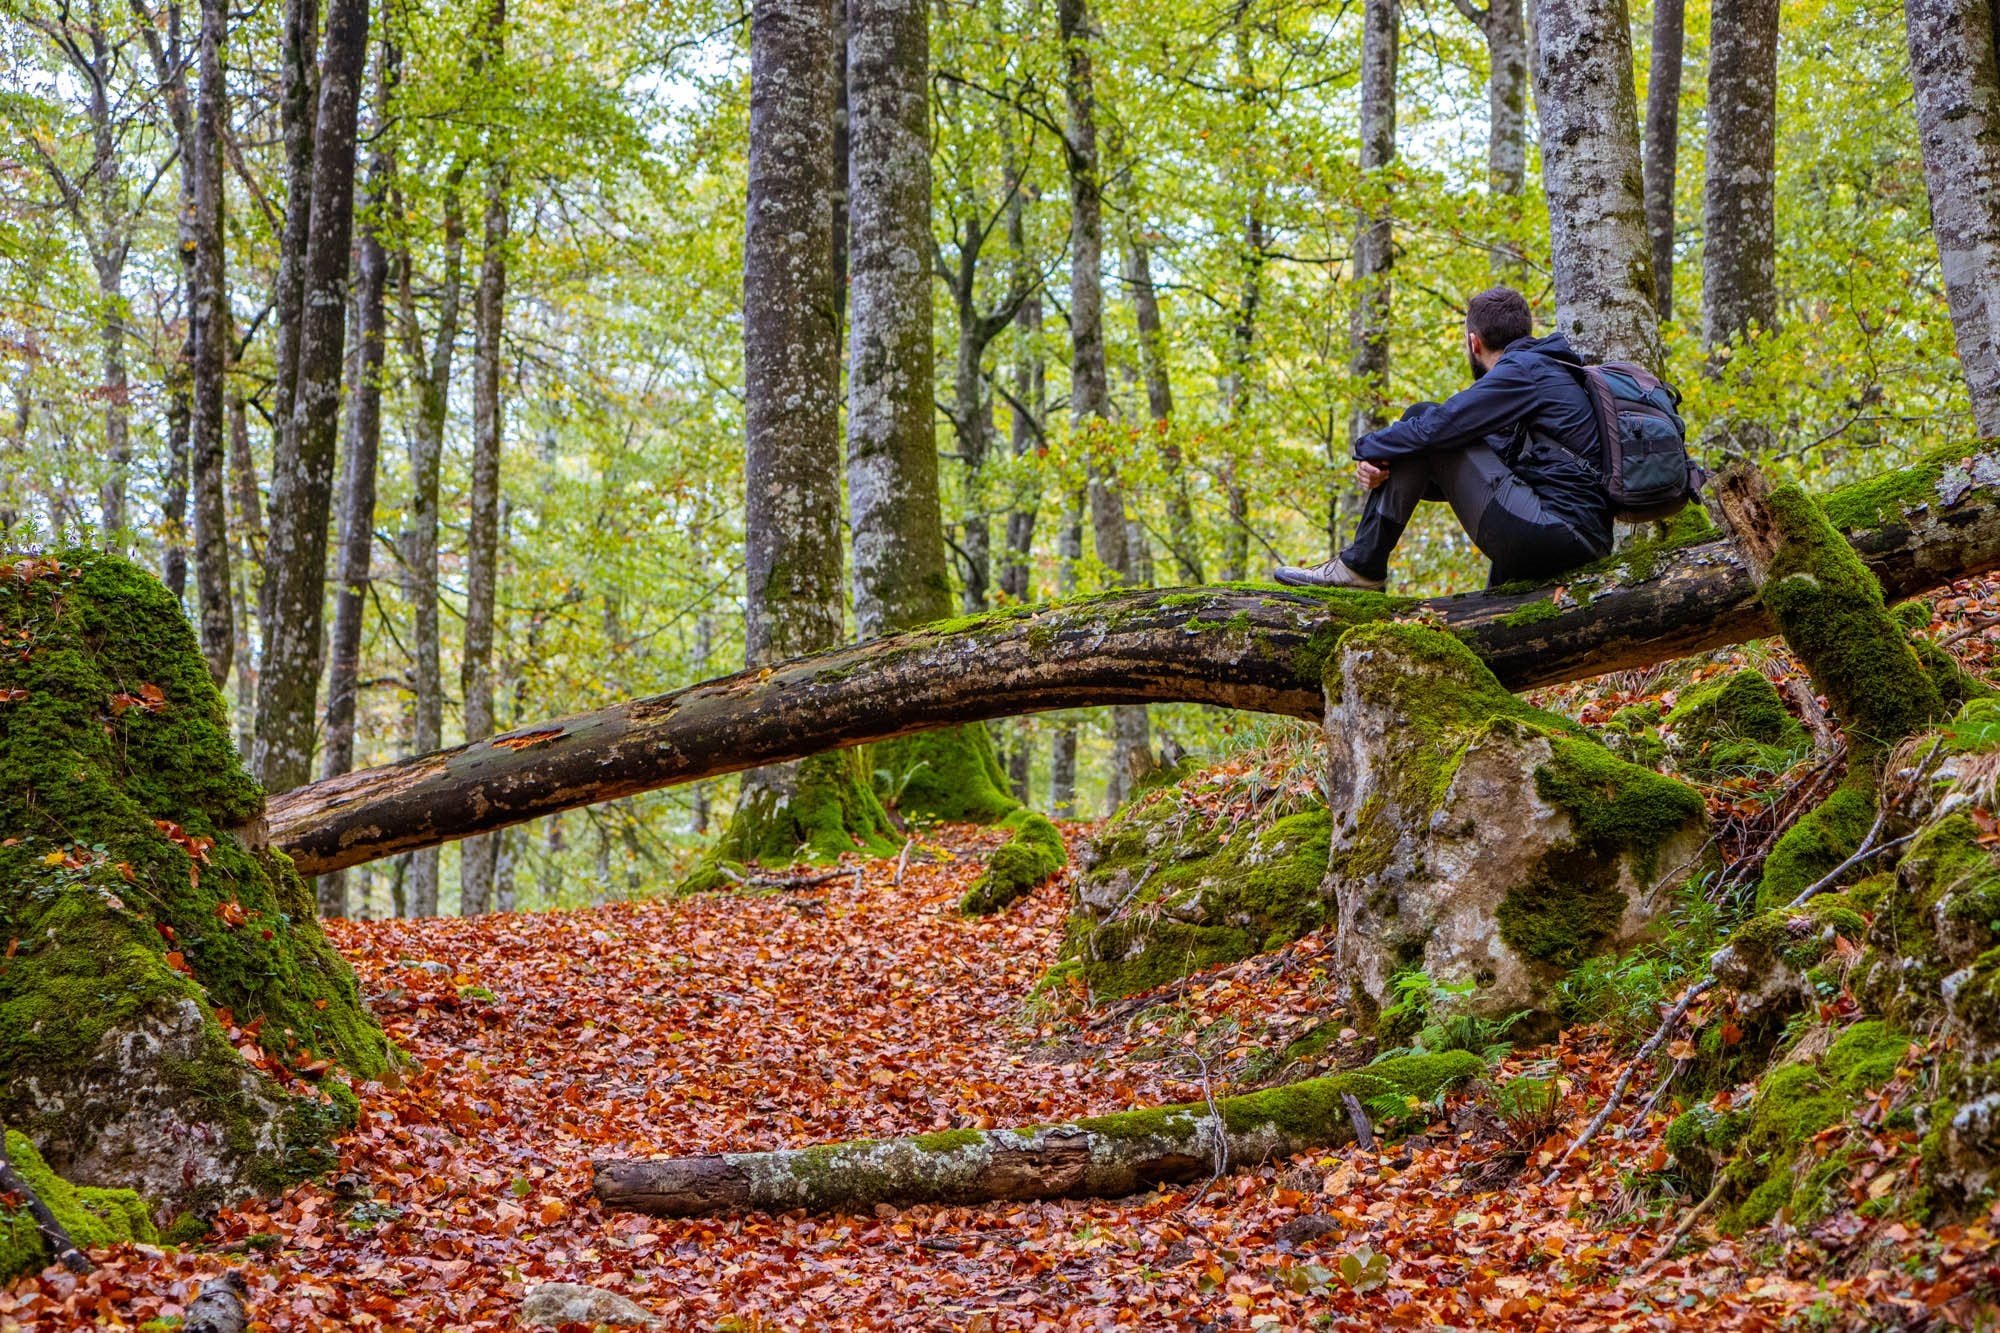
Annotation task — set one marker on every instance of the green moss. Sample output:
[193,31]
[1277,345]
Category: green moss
[1887,498]
[948,1140]
[116,746]
[831,809]
[1615,806]
[1829,607]
[1701,1140]
[1797,938]
[93,1217]
[1735,723]
[1253,892]
[949,775]
[1022,864]
[1569,912]
[1778,1162]
[1533,613]
[1827,835]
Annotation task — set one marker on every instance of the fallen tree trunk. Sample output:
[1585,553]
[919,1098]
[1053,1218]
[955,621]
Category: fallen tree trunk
[1097,1158]
[1240,646]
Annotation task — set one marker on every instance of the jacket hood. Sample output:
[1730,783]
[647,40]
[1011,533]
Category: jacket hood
[1554,346]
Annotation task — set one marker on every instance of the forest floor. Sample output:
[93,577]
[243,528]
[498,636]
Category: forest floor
[863,1009]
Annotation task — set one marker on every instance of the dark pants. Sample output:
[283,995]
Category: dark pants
[1504,517]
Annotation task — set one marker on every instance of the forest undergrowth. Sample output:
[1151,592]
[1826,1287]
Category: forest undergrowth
[865,1006]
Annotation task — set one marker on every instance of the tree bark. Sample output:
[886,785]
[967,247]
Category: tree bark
[249,532]
[1739,196]
[1954,68]
[1240,649]
[358,480]
[1663,129]
[208,346]
[900,577]
[1184,538]
[302,471]
[1606,303]
[479,858]
[1102,1157]
[1368,349]
[1506,113]
[298,102]
[1029,401]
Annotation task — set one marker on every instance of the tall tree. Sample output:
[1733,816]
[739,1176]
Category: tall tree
[208,349]
[358,475]
[479,857]
[1381,36]
[1028,401]
[1506,34]
[1739,193]
[1090,392]
[1663,132]
[298,107]
[900,576]
[1957,76]
[430,368]
[302,465]
[1183,536]
[792,466]
[1603,257]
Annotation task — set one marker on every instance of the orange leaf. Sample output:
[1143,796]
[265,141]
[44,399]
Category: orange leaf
[178,963]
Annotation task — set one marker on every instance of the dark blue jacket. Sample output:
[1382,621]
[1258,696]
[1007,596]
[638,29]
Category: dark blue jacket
[1536,415]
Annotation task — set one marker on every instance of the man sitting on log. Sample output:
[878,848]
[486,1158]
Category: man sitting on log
[1518,457]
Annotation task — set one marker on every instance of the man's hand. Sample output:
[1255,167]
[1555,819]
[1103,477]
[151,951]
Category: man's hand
[1371,474]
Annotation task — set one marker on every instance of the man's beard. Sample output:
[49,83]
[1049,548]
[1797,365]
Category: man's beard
[1478,371]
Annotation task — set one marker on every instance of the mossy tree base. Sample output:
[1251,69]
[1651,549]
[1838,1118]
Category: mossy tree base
[93,1217]
[1102,1157]
[949,776]
[1032,856]
[140,919]
[816,810]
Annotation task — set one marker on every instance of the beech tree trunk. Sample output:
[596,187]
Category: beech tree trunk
[1259,650]
[302,470]
[1739,196]
[1030,399]
[1183,538]
[479,858]
[1368,356]
[1954,67]
[1506,112]
[358,480]
[1663,130]
[1606,303]
[298,102]
[900,578]
[208,351]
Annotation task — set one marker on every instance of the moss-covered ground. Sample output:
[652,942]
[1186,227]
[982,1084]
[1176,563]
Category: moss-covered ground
[1736,723]
[122,890]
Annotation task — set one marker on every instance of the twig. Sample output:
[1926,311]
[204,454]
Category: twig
[1868,846]
[1364,1133]
[1807,895]
[1221,1132]
[1646,1111]
[1984,622]
[1694,1215]
[60,1245]
[1645,1053]
[903,860]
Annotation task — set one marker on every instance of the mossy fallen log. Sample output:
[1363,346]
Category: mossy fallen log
[136,930]
[1102,1157]
[1248,646]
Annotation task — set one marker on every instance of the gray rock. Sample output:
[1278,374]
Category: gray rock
[556,1303]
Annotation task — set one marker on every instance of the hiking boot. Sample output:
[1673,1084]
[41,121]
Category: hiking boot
[1334,573]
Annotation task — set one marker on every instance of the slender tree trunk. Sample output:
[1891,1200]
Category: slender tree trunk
[117,398]
[973,417]
[1090,391]
[1506,118]
[249,561]
[1029,403]
[1184,539]
[302,471]
[420,537]
[900,577]
[1368,363]
[1957,76]
[479,858]
[174,491]
[1663,130]
[298,102]
[1739,217]
[1236,399]
[358,479]
[1062,757]
[208,337]
[1606,303]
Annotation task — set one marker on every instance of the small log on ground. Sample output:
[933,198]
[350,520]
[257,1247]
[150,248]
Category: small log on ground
[219,1308]
[1260,648]
[1102,1157]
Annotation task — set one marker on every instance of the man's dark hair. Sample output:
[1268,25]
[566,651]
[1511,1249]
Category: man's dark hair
[1499,315]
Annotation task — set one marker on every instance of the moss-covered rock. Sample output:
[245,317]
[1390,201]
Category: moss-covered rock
[136,915]
[1478,839]
[1821,840]
[92,1216]
[1781,1159]
[1029,858]
[1736,723]
[1771,963]
[1166,891]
